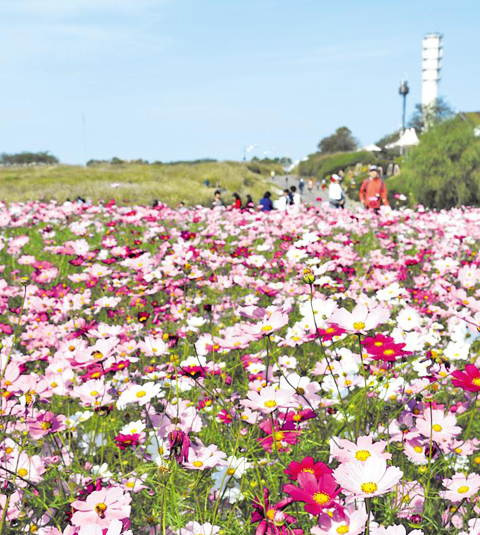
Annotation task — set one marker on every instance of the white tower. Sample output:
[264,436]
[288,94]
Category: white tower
[431,64]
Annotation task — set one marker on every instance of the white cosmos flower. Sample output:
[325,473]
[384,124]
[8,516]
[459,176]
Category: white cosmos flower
[141,394]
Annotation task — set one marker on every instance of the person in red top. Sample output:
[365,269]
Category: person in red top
[237,202]
[373,192]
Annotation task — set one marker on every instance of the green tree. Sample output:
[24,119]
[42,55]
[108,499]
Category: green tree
[443,170]
[434,114]
[341,141]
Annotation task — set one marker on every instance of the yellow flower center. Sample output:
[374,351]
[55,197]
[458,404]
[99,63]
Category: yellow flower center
[476,381]
[130,484]
[270,404]
[359,325]
[437,428]
[100,509]
[197,463]
[369,488]
[231,471]
[267,328]
[141,394]
[463,489]
[362,455]
[23,472]
[270,514]
[94,393]
[279,435]
[321,498]
[418,449]
[308,470]
[342,529]
[458,450]
[46,425]
[389,352]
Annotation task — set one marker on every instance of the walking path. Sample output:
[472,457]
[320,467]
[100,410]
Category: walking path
[316,196]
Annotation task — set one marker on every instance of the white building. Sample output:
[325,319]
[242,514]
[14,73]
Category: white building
[431,65]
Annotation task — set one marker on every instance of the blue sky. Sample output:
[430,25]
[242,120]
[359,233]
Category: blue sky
[185,79]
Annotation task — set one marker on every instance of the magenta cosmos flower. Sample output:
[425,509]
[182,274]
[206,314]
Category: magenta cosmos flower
[270,517]
[307,465]
[317,494]
[101,507]
[468,379]
[369,478]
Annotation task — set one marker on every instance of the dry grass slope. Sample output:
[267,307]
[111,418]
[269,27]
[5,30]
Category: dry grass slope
[139,184]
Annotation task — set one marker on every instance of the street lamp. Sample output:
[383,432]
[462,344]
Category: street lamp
[404,90]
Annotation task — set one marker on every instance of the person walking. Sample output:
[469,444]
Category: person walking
[301,185]
[336,195]
[373,192]
[310,185]
[266,204]
[217,200]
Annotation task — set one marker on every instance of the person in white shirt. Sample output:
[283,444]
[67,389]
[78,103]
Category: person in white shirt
[283,203]
[336,195]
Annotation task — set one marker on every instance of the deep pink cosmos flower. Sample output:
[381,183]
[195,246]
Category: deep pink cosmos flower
[179,445]
[468,379]
[317,494]
[127,441]
[283,434]
[307,465]
[271,518]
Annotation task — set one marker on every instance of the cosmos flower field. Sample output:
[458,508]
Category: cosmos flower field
[207,372]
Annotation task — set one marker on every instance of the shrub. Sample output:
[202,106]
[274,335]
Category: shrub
[322,165]
[443,171]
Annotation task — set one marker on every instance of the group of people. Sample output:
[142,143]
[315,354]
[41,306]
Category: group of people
[289,200]
[373,193]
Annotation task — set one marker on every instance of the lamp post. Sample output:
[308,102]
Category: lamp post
[404,90]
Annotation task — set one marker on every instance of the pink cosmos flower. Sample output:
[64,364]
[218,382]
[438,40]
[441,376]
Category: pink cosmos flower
[115,528]
[268,399]
[195,528]
[360,320]
[369,478]
[45,423]
[345,451]
[460,487]
[394,530]
[28,468]
[350,522]
[317,494]
[205,458]
[101,507]
[441,427]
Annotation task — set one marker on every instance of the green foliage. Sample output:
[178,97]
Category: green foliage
[135,183]
[341,141]
[283,161]
[444,169]
[323,165]
[28,158]
[434,114]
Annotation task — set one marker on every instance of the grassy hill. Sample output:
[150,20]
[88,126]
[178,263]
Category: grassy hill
[138,184]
